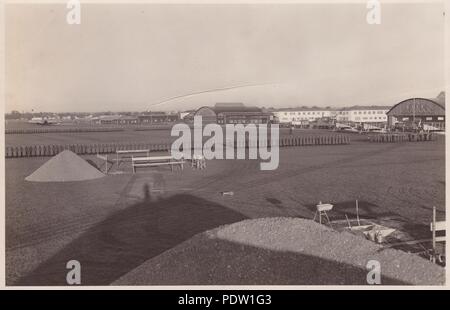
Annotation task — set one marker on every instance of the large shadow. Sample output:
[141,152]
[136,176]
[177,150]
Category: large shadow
[130,237]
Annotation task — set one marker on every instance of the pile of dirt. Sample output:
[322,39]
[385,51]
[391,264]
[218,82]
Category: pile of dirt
[64,167]
[280,251]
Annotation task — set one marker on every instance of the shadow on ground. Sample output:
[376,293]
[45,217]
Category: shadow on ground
[130,237]
[275,202]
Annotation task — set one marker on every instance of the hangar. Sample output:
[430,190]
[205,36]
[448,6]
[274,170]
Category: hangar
[233,113]
[428,113]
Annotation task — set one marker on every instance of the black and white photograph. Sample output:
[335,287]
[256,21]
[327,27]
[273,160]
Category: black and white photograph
[214,143]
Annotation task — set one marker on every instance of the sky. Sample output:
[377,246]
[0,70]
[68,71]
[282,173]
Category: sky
[134,57]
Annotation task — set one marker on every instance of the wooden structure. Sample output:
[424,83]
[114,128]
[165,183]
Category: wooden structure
[155,161]
[436,226]
[128,154]
[105,158]
[402,137]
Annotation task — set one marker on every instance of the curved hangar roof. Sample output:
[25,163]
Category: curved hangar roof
[418,107]
[213,111]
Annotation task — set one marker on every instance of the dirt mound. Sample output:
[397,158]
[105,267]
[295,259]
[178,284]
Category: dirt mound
[277,251]
[64,167]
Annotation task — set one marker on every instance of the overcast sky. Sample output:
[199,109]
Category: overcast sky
[133,56]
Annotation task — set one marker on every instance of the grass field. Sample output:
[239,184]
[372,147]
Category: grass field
[154,136]
[128,135]
[109,224]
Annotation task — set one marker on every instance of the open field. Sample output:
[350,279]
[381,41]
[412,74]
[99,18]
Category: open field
[129,135]
[109,224]
[154,136]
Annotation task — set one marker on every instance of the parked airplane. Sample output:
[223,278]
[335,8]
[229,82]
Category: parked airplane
[346,128]
[373,128]
[44,121]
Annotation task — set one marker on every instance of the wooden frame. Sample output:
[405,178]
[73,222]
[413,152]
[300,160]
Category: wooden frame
[436,226]
[155,161]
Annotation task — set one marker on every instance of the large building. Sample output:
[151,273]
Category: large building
[414,112]
[233,113]
[158,118]
[355,115]
[300,116]
[116,120]
[363,115]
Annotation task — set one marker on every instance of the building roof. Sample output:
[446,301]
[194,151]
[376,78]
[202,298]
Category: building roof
[304,109]
[231,108]
[156,113]
[362,108]
[128,117]
[356,107]
[109,117]
[418,107]
[116,117]
[234,107]
[147,115]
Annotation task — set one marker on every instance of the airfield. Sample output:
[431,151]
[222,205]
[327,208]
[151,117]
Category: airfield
[116,223]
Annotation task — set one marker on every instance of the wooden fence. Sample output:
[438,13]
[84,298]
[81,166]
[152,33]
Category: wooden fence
[61,130]
[402,137]
[80,129]
[81,149]
[314,140]
[108,148]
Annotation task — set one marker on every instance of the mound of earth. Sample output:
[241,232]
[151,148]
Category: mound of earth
[280,251]
[64,167]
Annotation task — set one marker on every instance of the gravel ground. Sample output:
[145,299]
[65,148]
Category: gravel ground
[280,251]
[65,167]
